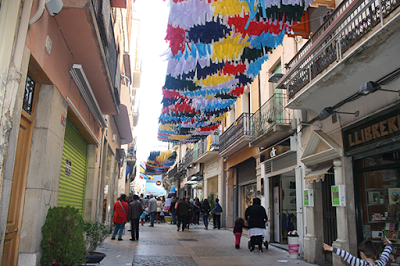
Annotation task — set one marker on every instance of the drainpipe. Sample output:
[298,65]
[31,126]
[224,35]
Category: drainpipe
[39,12]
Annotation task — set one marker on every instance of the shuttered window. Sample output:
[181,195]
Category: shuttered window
[73,169]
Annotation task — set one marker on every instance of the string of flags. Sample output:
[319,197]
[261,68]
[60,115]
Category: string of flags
[216,49]
[158,163]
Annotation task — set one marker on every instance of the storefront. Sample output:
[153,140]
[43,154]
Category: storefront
[73,169]
[247,181]
[278,181]
[375,148]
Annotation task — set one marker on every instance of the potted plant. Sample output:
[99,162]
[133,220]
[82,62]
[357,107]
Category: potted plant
[63,243]
[293,239]
[94,234]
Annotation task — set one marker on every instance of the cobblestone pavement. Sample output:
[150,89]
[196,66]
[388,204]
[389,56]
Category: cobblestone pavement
[163,245]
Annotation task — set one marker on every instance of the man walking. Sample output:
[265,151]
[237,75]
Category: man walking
[182,211]
[121,209]
[135,210]
[152,210]
[142,201]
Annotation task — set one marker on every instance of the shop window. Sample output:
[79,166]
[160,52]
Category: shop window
[379,186]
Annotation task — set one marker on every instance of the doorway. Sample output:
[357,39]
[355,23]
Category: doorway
[329,213]
[17,196]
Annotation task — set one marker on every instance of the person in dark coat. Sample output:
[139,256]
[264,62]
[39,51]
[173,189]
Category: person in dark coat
[205,210]
[256,217]
[135,210]
[196,211]
[182,212]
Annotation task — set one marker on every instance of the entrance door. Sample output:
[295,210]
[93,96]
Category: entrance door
[329,213]
[277,229]
[14,218]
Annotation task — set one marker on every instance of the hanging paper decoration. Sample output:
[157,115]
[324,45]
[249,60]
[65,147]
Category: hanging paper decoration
[217,48]
[159,162]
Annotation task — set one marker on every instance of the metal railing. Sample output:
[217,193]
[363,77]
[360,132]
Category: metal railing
[350,21]
[173,171]
[188,158]
[237,130]
[272,112]
[201,147]
[102,11]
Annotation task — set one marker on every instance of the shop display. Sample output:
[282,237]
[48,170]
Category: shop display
[379,194]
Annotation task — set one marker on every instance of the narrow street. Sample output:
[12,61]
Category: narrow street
[163,245]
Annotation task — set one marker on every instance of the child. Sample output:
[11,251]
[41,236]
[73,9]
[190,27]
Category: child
[238,230]
[143,217]
[367,253]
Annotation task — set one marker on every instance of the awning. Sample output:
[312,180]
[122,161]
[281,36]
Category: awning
[194,179]
[123,124]
[318,173]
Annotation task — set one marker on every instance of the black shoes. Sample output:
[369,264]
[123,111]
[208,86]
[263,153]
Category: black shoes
[132,239]
[237,246]
[112,238]
[120,239]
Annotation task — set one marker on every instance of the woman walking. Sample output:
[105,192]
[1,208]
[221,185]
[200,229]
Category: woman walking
[205,210]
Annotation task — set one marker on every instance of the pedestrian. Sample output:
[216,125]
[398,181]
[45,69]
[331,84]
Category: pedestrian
[190,213]
[367,251]
[159,205]
[172,210]
[217,214]
[238,230]
[162,213]
[143,217]
[205,210]
[182,211]
[135,210]
[142,201]
[256,216]
[196,210]
[152,210]
[121,209]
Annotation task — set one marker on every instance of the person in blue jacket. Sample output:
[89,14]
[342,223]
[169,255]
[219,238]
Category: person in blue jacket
[217,214]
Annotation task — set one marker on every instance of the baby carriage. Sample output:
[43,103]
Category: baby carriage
[259,237]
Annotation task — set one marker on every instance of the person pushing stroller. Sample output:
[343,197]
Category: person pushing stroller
[256,218]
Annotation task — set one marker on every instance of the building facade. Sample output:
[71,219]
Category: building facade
[61,114]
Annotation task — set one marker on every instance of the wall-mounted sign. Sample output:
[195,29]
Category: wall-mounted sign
[382,128]
[158,183]
[279,149]
[308,197]
[68,167]
[338,196]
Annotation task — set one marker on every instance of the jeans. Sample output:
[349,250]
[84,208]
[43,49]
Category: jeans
[205,219]
[135,229]
[173,217]
[119,228]
[196,217]
[152,218]
[217,220]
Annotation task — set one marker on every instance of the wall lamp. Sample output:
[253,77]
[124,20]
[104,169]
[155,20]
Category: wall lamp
[327,111]
[275,77]
[370,87]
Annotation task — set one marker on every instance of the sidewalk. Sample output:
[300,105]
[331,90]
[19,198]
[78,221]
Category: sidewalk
[163,245]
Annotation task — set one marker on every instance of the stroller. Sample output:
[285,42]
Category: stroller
[258,237]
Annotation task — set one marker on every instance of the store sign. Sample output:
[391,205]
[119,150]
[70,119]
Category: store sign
[376,130]
[274,151]
[158,183]
[308,198]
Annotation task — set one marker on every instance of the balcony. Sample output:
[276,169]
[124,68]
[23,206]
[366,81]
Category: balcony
[272,122]
[206,150]
[236,137]
[88,31]
[187,159]
[124,119]
[349,49]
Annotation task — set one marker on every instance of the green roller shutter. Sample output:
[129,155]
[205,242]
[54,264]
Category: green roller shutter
[73,169]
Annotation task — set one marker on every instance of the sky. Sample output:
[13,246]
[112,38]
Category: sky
[154,19]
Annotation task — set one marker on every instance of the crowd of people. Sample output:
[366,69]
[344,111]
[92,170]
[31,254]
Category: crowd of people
[186,211]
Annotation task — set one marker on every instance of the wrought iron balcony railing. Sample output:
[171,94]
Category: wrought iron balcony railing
[350,21]
[237,130]
[202,146]
[188,158]
[272,112]
[102,10]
